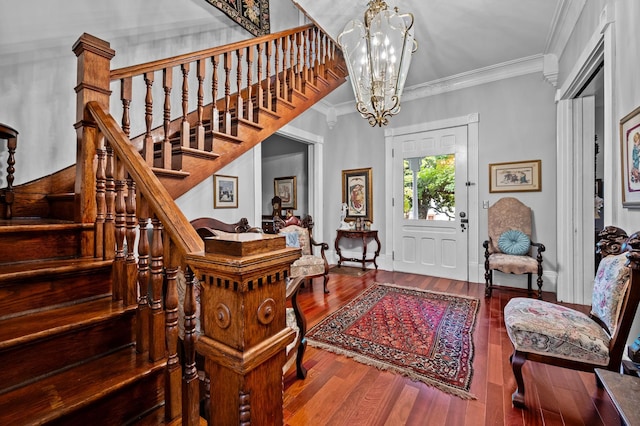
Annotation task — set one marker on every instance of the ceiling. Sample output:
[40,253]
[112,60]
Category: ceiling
[454,36]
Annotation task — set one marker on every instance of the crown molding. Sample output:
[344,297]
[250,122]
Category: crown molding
[565,18]
[509,69]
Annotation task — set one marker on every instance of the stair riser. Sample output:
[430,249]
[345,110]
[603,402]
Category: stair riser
[51,353]
[51,290]
[23,246]
[120,407]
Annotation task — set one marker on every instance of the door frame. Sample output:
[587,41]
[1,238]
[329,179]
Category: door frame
[471,121]
[574,275]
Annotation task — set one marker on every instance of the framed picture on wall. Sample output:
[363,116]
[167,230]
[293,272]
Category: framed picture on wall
[519,176]
[225,192]
[357,193]
[286,188]
[630,155]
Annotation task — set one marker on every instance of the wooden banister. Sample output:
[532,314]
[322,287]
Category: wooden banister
[160,202]
[178,60]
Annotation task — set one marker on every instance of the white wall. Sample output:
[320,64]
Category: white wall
[517,122]
[626,95]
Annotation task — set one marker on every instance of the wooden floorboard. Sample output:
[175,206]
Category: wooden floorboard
[340,391]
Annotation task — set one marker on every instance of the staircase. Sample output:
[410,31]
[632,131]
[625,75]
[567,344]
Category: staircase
[77,346]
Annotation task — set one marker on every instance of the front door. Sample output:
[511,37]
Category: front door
[430,203]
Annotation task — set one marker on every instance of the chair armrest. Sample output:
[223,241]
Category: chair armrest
[323,247]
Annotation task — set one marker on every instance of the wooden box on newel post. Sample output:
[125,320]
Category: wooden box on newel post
[243,280]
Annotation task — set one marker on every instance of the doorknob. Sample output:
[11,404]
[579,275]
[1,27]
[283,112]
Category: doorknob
[463,221]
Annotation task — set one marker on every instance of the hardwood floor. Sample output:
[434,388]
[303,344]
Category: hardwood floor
[340,391]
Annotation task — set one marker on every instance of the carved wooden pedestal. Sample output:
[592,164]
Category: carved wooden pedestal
[245,334]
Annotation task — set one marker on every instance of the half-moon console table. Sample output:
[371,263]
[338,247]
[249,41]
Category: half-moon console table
[365,236]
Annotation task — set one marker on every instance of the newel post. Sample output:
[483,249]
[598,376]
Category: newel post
[242,298]
[94,68]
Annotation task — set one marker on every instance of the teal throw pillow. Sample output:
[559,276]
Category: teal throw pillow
[514,242]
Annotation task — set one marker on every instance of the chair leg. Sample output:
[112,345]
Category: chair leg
[517,360]
[301,371]
[529,289]
[539,282]
[326,278]
[488,279]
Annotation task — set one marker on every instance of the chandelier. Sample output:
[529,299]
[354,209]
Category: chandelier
[378,55]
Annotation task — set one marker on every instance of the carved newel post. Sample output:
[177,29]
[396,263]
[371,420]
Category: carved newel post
[244,329]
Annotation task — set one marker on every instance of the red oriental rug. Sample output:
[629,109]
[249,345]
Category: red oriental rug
[424,335]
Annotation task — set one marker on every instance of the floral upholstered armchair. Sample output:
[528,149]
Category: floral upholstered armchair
[553,334]
[509,247]
[309,264]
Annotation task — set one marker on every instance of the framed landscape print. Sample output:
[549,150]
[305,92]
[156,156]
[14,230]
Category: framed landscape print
[357,193]
[519,176]
[630,155]
[286,189]
[225,192]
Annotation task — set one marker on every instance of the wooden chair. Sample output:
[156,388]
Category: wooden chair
[308,265]
[509,218]
[554,334]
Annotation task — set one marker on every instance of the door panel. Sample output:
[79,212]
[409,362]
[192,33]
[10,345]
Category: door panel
[426,240]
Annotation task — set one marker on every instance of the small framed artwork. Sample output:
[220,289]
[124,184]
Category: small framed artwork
[357,194]
[630,155]
[286,188]
[225,192]
[519,176]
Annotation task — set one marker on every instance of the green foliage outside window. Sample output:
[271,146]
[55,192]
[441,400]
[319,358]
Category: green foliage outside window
[436,187]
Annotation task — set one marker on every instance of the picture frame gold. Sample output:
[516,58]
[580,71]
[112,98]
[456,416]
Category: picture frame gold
[225,192]
[287,189]
[357,193]
[630,157]
[515,176]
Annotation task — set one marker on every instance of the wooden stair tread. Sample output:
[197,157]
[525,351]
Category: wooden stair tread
[77,387]
[22,329]
[22,270]
[21,224]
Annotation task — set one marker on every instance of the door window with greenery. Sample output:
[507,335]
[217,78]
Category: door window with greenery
[429,187]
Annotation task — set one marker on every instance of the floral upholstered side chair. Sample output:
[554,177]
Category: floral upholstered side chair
[557,335]
[309,265]
[509,248]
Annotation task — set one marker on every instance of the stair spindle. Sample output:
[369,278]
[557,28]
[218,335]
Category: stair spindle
[119,274]
[110,196]
[148,118]
[200,72]
[167,85]
[131,269]
[101,205]
[227,93]
[173,374]
[125,97]
[144,275]
[191,385]
[269,96]
[184,130]
[239,101]
[157,322]
[215,119]
[259,88]
[250,55]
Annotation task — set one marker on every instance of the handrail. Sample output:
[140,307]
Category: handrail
[163,206]
[173,61]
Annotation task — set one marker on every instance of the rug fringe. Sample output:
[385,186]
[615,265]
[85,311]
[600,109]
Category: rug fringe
[386,367]
[461,296]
